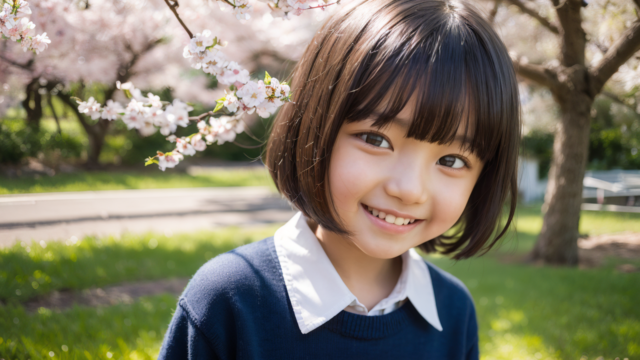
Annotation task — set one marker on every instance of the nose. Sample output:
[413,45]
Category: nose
[409,182]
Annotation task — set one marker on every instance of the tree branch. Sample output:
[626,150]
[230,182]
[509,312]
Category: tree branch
[536,73]
[574,39]
[174,8]
[66,98]
[25,66]
[621,51]
[534,14]
[53,111]
[637,2]
[617,100]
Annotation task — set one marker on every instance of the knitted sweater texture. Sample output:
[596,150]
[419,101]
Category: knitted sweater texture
[237,307]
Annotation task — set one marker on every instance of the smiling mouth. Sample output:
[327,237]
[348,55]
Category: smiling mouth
[391,219]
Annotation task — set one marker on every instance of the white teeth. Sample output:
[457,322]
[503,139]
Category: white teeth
[392,219]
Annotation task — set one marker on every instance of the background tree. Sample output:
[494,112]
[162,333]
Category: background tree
[96,43]
[574,65]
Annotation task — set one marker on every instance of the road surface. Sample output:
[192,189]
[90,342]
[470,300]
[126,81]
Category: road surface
[53,216]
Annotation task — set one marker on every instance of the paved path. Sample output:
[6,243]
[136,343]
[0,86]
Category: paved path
[53,216]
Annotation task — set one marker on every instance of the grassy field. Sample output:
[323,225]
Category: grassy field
[524,312]
[92,181]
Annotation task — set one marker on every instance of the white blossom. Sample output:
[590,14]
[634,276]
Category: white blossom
[135,114]
[231,102]
[267,108]
[154,101]
[198,143]
[242,9]
[213,62]
[178,113]
[184,147]
[201,41]
[252,93]
[39,43]
[91,108]
[233,73]
[169,160]
[112,110]
[147,128]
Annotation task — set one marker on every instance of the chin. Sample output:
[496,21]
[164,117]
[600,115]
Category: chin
[379,247]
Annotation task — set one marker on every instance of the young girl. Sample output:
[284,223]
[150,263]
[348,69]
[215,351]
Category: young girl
[404,125]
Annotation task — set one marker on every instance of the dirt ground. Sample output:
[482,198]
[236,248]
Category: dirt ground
[109,295]
[593,250]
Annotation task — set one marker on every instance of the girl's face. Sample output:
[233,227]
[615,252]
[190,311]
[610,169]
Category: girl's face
[420,188]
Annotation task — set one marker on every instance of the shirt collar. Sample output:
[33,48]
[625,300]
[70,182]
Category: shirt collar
[316,291]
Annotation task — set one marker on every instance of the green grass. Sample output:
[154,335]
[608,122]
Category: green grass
[29,269]
[527,312]
[524,312]
[92,181]
[131,331]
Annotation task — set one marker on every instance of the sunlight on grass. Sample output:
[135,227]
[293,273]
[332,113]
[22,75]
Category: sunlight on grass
[28,269]
[95,181]
[126,331]
[524,312]
[551,313]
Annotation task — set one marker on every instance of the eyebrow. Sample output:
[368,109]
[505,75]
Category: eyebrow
[403,123]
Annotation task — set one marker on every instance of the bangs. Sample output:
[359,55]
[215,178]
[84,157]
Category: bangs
[451,74]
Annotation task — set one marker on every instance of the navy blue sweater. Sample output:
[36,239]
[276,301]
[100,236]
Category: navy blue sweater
[237,307]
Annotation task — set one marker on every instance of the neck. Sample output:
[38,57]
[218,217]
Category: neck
[369,279]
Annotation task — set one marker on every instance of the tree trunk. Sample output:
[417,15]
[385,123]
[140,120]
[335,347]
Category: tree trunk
[557,242]
[96,135]
[34,112]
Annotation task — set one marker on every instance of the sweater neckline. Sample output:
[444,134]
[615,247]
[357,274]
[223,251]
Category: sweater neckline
[371,327]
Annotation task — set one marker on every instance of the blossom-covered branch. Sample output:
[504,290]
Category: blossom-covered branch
[148,113]
[15,25]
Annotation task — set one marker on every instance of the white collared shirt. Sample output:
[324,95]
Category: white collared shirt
[317,293]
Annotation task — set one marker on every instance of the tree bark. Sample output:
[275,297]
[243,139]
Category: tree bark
[34,112]
[557,243]
[96,133]
[574,87]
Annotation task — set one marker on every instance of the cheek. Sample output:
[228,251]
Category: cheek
[449,202]
[351,176]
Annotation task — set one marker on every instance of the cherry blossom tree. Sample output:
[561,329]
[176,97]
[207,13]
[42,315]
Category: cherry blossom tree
[577,50]
[105,42]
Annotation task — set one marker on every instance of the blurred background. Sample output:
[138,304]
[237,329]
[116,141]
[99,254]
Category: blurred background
[95,248]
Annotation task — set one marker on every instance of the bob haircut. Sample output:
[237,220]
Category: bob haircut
[377,52]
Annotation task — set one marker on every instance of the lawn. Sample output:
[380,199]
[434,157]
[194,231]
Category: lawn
[524,312]
[119,180]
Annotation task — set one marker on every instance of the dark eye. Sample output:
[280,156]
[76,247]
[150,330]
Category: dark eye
[451,161]
[375,140]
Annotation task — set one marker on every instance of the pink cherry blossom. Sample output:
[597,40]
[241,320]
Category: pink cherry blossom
[91,108]
[198,143]
[252,93]
[39,42]
[169,160]
[112,110]
[184,147]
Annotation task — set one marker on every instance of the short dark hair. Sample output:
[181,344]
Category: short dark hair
[444,53]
